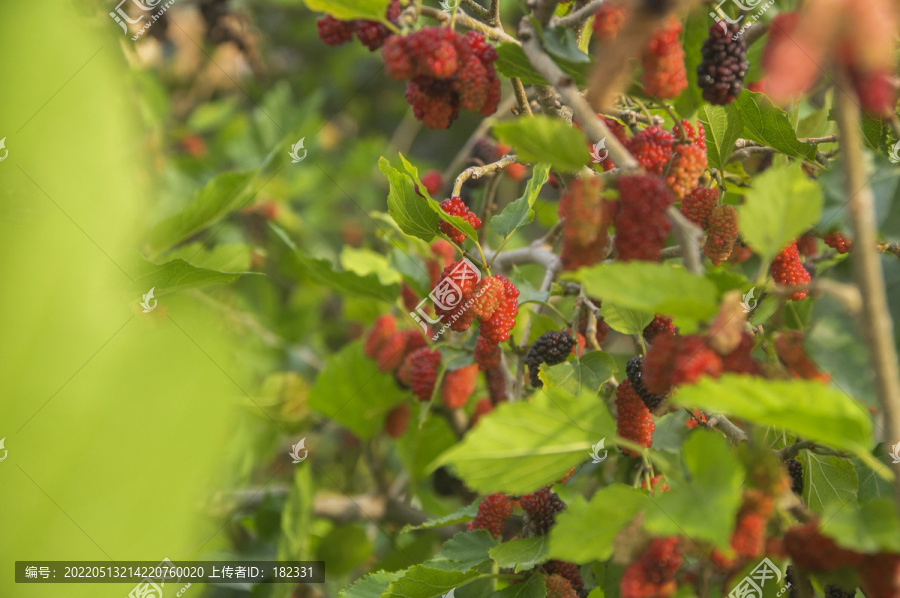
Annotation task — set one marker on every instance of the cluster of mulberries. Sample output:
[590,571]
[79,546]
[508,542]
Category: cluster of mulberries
[788,270]
[652,148]
[371,34]
[663,61]
[493,512]
[608,19]
[585,219]
[388,346]
[688,161]
[634,369]
[455,207]
[633,420]
[641,222]
[551,348]
[445,72]
[838,242]
[721,72]
[540,509]
[653,573]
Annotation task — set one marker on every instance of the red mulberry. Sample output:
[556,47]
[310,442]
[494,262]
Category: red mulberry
[663,61]
[383,327]
[676,360]
[633,420]
[497,328]
[641,222]
[788,270]
[397,420]
[423,367]
[493,512]
[459,385]
[689,161]
[487,354]
[455,207]
[334,32]
[838,242]
[723,232]
[659,325]
[652,148]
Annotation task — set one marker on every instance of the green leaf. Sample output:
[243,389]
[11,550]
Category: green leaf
[723,127]
[365,262]
[370,10]
[532,588]
[372,585]
[696,30]
[520,447]
[782,204]
[521,553]
[344,548]
[466,550]
[410,211]
[608,511]
[420,446]
[229,257]
[527,291]
[520,212]
[223,194]
[809,409]
[715,482]
[512,62]
[652,289]
[561,43]
[828,481]
[766,123]
[587,373]
[871,528]
[623,319]
[871,485]
[545,139]
[178,275]
[422,581]
[344,282]
[351,391]
[463,515]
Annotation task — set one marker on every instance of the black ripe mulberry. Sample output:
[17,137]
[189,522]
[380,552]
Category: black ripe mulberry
[634,371]
[721,72]
[541,507]
[795,470]
[550,348]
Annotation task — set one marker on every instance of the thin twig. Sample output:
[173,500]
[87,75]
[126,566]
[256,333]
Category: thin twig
[476,172]
[521,96]
[579,16]
[469,23]
[690,239]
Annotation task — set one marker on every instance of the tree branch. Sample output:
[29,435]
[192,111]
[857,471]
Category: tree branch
[469,23]
[578,17]
[690,239]
[476,172]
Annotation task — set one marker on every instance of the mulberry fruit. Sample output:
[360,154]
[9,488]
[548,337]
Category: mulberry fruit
[789,271]
[496,329]
[542,507]
[653,574]
[652,148]
[423,367]
[880,574]
[334,32]
[392,352]
[721,72]
[663,61]
[807,246]
[689,161]
[567,570]
[487,354]
[550,348]
[740,360]
[488,293]
[633,370]
[608,19]
[836,592]
[659,325]
[723,232]
[383,327]
[482,407]
[583,208]
[633,420]
[432,181]
[493,512]
[698,205]
[808,548]
[676,360]
[559,587]
[455,295]
[459,385]
[656,482]
[641,222]
[496,383]
[875,90]
[432,101]
[795,470]
[837,241]
[455,207]
[397,420]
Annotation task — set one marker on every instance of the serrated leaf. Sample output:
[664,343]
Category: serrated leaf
[716,476]
[870,528]
[223,194]
[723,127]
[353,392]
[828,481]
[410,211]
[463,515]
[545,139]
[371,586]
[344,282]
[871,485]
[766,123]
[466,550]
[370,10]
[608,511]
[520,447]
[782,204]
[420,446]
[623,319]
[533,587]
[653,289]
[521,211]
[425,582]
[808,408]
[584,374]
[178,275]
[521,553]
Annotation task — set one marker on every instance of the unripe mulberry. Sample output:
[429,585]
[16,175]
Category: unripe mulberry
[455,207]
[496,329]
[723,232]
[689,161]
[659,325]
[721,72]
[487,354]
[334,32]
[676,360]
[837,241]
[551,348]
[558,587]
[608,19]
[488,293]
[795,470]
[584,210]
[567,570]
[423,367]
[641,222]
[698,205]
[808,548]
[634,371]
[383,327]
[458,386]
[663,61]
[633,420]
[542,507]
[493,512]
[652,148]
[397,420]
[788,270]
